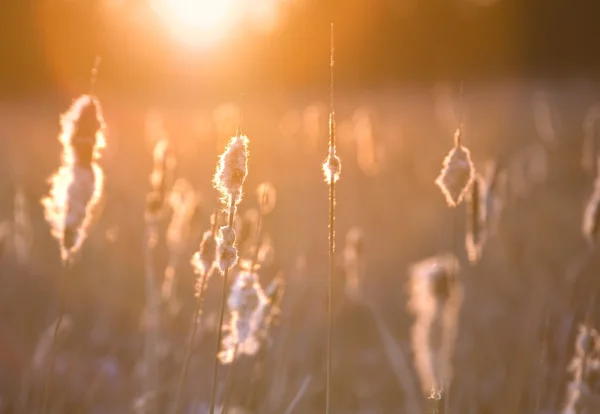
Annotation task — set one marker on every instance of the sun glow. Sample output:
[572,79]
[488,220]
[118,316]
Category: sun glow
[198,22]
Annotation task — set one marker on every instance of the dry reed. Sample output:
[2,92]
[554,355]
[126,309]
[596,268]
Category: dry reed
[229,180]
[203,262]
[457,173]
[583,395]
[476,218]
[435,299]
[75,190]
[591,215]
[332,169]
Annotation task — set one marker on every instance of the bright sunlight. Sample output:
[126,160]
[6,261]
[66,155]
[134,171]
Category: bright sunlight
[198,22]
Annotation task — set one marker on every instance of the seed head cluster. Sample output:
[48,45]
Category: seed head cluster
[270,197]
[76,187]
[160,179]
[247,303]
[591,215]
[457,172]
[583,392]
[232,170]
[476,220]
[435,300]
[332,167]
[354,262]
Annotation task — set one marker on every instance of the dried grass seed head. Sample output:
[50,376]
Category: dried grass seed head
[591,215]
[267,197]
[457,173]
[160,179]
[436,296]
[232,169]
[247,303]
[332,168]
[76,188]
[204,259]
[476,220]
[433,279]
[227,254]
[183,201]
[82,131]
[22,235]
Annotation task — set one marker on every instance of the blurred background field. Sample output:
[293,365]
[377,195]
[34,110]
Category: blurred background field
[516,312]
[189,71]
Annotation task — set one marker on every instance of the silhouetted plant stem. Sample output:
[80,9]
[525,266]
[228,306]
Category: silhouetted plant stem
[190,342]
[229,380]
[66,267]
[213,393]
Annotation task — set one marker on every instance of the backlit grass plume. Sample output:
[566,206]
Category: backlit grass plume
[457,172]
[476,219]
[247,304]
[591,215]
[232,170]
[354,262]
[435,300]
[267,197]
[76,187]
[203,262]
[332,168]
[183,200]
[160,179]
[583,392]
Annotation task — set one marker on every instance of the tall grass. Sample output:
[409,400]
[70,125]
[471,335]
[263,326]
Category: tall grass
[229,180]
[76,189]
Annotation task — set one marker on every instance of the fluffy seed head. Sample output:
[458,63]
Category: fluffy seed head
[247,303]
[22,227]
[270,197]
[204,259]
[435,300]
[332,168]
[232,169]
[476,229]
[82,131]
[160,179]
[354,262]
[227,255]
[457,173]
[582,391]
[183,201]
[591,215]
[76,187]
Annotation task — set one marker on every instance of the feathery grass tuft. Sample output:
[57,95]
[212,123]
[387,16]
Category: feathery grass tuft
[457,173]
[435,299]
[332,168]
[582,391]
[476,219]
[591,215]
[229,180]
[77,186]
[203,262]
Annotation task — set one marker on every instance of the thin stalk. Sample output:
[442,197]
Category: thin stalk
[194,327]
[66,267]
[456,242]
[231,373]
[213,393]
[301,391]
[190,342]
[229,380]
[151,382]
[331,240]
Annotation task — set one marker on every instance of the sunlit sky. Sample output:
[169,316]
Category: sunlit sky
[206,22]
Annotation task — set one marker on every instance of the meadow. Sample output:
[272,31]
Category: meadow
[534,283]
